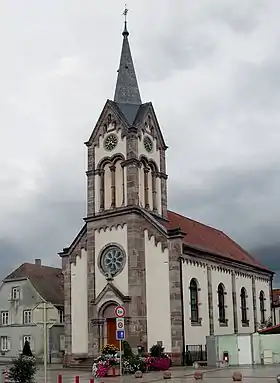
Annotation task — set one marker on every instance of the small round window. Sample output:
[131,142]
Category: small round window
[112,260]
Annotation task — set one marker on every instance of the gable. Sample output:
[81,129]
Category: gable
[146,121]
[111,119]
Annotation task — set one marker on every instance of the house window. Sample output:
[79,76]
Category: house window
[15,293]
[4,343]
[221,303]
[26,316]
[194,300]
[5,318]
[262,309]
[61,316]
[243,297]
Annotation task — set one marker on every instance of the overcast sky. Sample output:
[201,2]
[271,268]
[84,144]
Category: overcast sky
[212,71]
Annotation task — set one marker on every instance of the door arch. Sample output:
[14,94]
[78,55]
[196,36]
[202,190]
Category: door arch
[108,334]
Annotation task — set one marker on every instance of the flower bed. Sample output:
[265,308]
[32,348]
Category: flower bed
[131,363]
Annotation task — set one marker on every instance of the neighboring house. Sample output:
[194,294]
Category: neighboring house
[276,306]
[22,297]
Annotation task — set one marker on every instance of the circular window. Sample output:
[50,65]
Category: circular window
[112,260]
[148,144]
[110,142]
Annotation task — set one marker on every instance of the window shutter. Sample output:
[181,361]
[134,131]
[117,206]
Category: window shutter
[9,344]
[21,345]
[32,345]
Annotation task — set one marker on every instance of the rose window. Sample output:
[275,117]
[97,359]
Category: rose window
[112,260]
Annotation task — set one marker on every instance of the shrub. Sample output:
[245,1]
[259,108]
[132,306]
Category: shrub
[127,352]
[23,369]
[156,351]
[26,349]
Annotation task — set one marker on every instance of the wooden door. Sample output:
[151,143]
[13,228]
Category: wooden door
[111,332]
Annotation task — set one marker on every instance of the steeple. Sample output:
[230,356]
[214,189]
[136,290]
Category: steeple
[127,91]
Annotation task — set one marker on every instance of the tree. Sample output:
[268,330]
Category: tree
[23,369]
[26,349]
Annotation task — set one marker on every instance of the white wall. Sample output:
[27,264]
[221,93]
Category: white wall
[241,281]
[157,294]
[79,304]
[264,286]
[103,238]
[196,334]
[219,276]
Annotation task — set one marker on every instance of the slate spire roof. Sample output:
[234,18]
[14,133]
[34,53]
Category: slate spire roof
[127,90]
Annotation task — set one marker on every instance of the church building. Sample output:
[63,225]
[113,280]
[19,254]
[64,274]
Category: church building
[179,280]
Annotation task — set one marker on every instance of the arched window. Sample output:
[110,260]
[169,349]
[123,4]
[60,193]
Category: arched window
[243,297]
[221,303]
[262,309]
[194,300]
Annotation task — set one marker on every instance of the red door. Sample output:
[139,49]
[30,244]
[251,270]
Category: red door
[111,332]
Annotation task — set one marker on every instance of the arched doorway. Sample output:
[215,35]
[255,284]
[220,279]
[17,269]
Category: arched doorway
[107,311]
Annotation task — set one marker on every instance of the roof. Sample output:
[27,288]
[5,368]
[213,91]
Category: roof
[127,90]
[270,330]
[48,281]
[211,240]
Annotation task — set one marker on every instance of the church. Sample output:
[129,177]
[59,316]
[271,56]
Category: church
[179,280]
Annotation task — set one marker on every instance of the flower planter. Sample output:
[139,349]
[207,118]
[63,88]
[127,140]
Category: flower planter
[114,371]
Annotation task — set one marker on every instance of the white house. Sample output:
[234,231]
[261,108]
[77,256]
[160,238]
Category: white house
[179,280]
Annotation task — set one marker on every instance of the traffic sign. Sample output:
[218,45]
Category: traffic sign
[120,334]
[120,323]
[119,311]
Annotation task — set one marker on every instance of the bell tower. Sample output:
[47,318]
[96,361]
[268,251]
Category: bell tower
[126,151]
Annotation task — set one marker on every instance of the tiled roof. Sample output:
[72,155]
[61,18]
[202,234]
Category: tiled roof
[211,240]
[48,281]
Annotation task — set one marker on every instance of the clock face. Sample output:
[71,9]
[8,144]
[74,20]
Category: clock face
[148,144]
[110,142]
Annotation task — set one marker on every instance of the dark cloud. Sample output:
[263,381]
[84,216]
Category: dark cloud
[212,71]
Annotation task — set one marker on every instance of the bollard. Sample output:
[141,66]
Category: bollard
[91,380]
[59,378]
[6,375]
[278,378]
[237,376]
[114,371]
[198,375]
[77,379]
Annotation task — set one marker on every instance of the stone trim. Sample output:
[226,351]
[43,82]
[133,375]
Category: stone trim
[234,303]
[254,303]
[210,301]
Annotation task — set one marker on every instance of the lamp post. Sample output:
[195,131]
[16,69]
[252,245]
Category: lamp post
[181,261]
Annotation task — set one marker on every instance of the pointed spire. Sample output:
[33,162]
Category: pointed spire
[127,91]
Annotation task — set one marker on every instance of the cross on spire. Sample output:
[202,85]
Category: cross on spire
[125,12]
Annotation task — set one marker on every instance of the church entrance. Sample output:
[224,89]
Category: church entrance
[108,330]
[111,331]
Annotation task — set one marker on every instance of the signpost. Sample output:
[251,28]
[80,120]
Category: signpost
[120,332]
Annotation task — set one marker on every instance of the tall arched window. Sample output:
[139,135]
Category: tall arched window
[221,303]
[262,309]
[194,300]
[243,297]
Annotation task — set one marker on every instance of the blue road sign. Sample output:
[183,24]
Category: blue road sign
[120,334]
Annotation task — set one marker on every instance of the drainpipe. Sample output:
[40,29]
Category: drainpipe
[181,260]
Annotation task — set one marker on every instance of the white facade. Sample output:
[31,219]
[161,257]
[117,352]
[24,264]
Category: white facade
[157,293]
[79,304]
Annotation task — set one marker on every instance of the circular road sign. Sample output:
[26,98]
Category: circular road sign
[120,325]
[119,311]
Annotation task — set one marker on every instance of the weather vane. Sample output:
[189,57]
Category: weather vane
[125,12]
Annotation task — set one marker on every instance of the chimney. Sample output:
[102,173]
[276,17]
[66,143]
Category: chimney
[38,261]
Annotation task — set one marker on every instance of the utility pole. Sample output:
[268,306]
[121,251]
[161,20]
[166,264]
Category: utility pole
[46,325]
